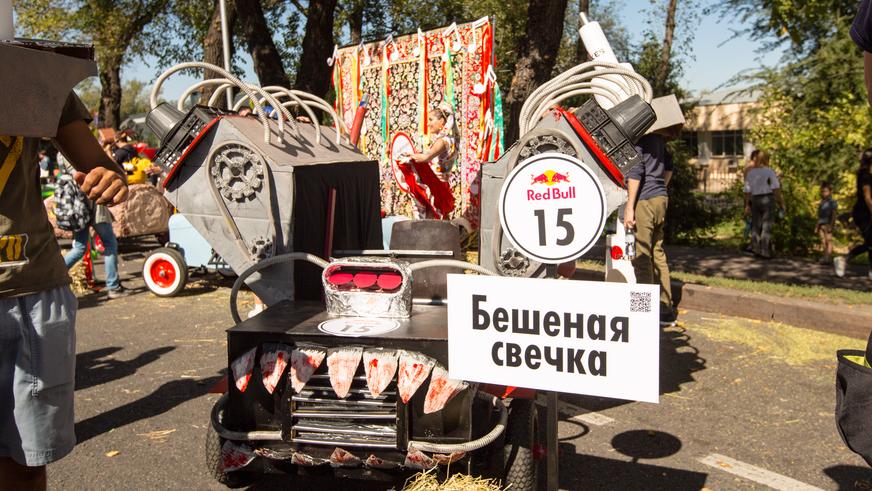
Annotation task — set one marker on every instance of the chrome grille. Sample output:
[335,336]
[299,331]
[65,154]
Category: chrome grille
[319,417]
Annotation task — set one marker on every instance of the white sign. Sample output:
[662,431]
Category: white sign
[356,327]
[579,337]
[552,208]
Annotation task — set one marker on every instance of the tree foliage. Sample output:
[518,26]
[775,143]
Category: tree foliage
[688,216]
[803,24]
[814,120]
[812,115]
[119,29]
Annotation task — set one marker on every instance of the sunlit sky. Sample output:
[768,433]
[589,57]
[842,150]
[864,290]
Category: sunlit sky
[716,54]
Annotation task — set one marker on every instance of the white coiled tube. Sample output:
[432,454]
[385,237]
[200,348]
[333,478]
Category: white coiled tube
[258,109]
[224,84]
[578,80]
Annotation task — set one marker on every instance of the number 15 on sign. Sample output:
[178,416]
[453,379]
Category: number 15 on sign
[552,208]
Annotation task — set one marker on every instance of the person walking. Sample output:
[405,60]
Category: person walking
[101,222]
[746,233]
[762,192]
[645,212]
[861,213]
[37,307]
[827,209]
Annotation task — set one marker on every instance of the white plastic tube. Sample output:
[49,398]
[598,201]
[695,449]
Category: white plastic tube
[258,109]
[585,78]
[600,50]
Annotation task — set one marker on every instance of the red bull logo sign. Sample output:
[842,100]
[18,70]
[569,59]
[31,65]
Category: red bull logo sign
[550,178]
[552,207]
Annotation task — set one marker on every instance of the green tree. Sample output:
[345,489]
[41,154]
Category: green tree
[657,59]
[802,24]
[812,115]
[119,30]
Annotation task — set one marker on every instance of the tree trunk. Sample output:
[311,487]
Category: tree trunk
[110,94]
[355,21]
[663,73]
[264,54]
[213,47]
[537,54]
[580,51]
[314,74]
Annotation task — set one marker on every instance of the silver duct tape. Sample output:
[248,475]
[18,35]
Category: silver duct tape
[354,302]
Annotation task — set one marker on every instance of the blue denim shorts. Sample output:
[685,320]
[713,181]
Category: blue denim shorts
[37,376]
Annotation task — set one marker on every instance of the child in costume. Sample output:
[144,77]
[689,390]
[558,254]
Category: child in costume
[432,191]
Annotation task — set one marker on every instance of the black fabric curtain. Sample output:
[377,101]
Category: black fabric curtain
[357,223]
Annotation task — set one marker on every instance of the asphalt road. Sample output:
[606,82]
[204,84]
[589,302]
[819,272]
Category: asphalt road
[743,403]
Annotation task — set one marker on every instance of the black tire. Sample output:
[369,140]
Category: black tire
[236,479]
[165,272]
[521,467]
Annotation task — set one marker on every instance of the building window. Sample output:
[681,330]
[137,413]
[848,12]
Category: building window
[691,142]
[728,143]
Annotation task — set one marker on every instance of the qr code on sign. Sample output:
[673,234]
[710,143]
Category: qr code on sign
[640,301]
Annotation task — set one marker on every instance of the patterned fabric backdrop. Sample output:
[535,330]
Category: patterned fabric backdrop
[404,79]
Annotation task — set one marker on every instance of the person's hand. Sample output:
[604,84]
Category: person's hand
[418,157]
[817,228]
[747,210]
[153,170]
[104,186]
[629,217]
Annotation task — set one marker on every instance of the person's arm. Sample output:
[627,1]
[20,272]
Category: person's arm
[434,150]
[747,203]
[667,168]
[775,185]
[867,196]
[867,70]
[630,208]
[101,179]
[779,198]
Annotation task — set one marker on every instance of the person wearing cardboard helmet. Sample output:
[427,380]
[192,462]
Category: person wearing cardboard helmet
[37,307]
[648,199]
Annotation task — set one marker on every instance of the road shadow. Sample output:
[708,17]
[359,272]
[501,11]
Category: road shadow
[679,361]
[163,399]
[850,476]
[580,471]
[96,298]
[97,367]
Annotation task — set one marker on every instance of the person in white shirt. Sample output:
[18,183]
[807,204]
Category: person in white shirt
[762,191]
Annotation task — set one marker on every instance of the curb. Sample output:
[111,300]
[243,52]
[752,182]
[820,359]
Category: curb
[845,320]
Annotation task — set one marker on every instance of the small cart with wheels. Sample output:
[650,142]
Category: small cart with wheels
[357,388]
[165,270]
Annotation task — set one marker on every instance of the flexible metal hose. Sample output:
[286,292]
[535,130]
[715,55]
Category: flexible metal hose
[277,92]
[573,80]
[224,84]
[450,263]
[282,258]
[492,435]
[258,110]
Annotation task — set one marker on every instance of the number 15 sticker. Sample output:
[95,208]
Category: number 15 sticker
[552,208]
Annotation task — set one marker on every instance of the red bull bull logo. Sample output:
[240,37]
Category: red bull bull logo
[550,178]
